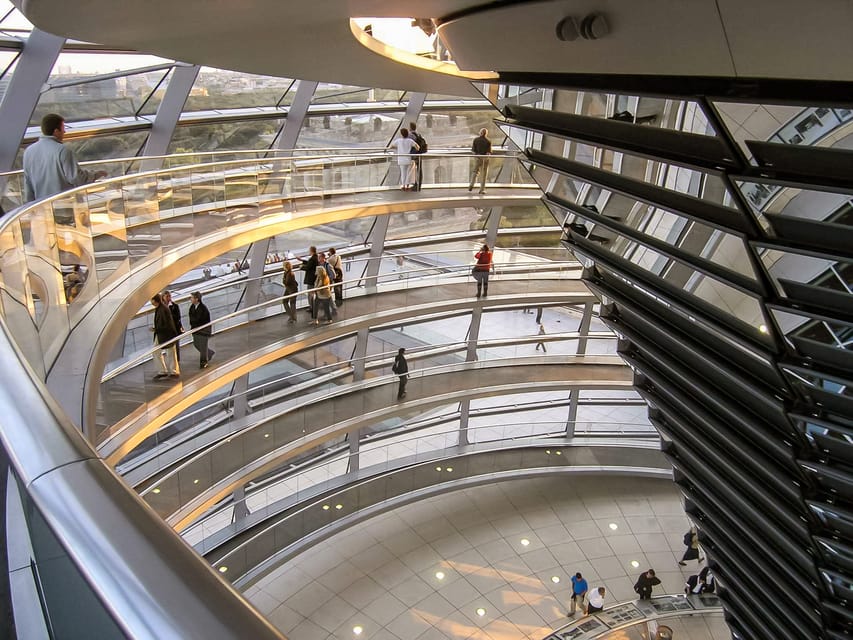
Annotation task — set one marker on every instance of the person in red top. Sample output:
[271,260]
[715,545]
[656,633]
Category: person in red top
[481,270]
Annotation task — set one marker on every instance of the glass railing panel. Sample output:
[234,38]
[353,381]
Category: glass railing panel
[110,252]
[127,216]
[43,241]
[389,452]
[18,305]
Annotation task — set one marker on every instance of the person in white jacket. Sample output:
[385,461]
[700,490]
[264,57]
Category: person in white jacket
[405,147]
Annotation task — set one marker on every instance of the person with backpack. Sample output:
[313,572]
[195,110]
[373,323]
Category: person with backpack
[422,149]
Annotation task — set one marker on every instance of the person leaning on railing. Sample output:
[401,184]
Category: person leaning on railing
[481,270]
[49,166]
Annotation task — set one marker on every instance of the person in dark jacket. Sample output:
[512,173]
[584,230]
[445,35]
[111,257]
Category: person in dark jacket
[401,368]
[291,287]
[691,541]
[422,148]
[644,584]
[200,316]
[175,310]
[482,149]
[164,330]
[309,266]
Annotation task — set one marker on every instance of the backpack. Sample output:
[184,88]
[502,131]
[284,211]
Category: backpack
[419,140]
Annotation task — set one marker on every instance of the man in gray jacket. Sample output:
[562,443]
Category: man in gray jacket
[49,166]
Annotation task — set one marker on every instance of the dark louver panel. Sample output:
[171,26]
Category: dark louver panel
[729,281]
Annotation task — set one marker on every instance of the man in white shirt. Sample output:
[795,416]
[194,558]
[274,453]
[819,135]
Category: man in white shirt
[595,600]
[405,147]
[49,166]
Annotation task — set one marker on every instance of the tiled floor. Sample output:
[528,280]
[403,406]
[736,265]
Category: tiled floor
[422,571]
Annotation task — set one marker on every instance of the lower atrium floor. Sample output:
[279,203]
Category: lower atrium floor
[489,563]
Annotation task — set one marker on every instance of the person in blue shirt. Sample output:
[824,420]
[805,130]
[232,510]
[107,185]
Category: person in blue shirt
[579,589]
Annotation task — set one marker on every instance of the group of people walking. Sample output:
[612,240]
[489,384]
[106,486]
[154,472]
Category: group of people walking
[323,278]
[168,326]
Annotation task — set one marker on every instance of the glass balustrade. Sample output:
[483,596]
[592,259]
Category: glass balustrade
[217,415]
[109,229]
[222,298]
[387,453]
[332,409]
[403,296]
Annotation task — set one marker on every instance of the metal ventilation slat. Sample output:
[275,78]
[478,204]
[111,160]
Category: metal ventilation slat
[694,208]
[690,149]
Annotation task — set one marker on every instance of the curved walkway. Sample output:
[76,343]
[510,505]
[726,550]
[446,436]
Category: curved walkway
[134,406]
[267,442]
[102,320]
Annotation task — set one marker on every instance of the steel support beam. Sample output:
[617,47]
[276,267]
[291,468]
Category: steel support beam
[257,261]
[574,395]
[22,95]
[296,115]
[168,113]
[376,239]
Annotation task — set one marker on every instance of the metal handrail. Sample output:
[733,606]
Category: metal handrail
[610,623]
[146,354]
[383,359]
[121,207]
[291,475]
[260,154]
[144,576]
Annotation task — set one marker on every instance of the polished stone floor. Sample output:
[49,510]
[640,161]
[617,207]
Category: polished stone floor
[423,570]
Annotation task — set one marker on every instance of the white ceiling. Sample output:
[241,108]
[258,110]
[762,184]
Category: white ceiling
[745,38]
[312,40]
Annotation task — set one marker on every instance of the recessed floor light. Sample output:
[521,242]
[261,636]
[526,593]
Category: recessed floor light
[357,629]
[559,453]
[155,490]
[195,481]
[635,564]
[438,468]
[525,542]
[449,469]
[613,526]
[339,506]
[555,579]
[223,569]
[439,575]
[326,507]
[481,612]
